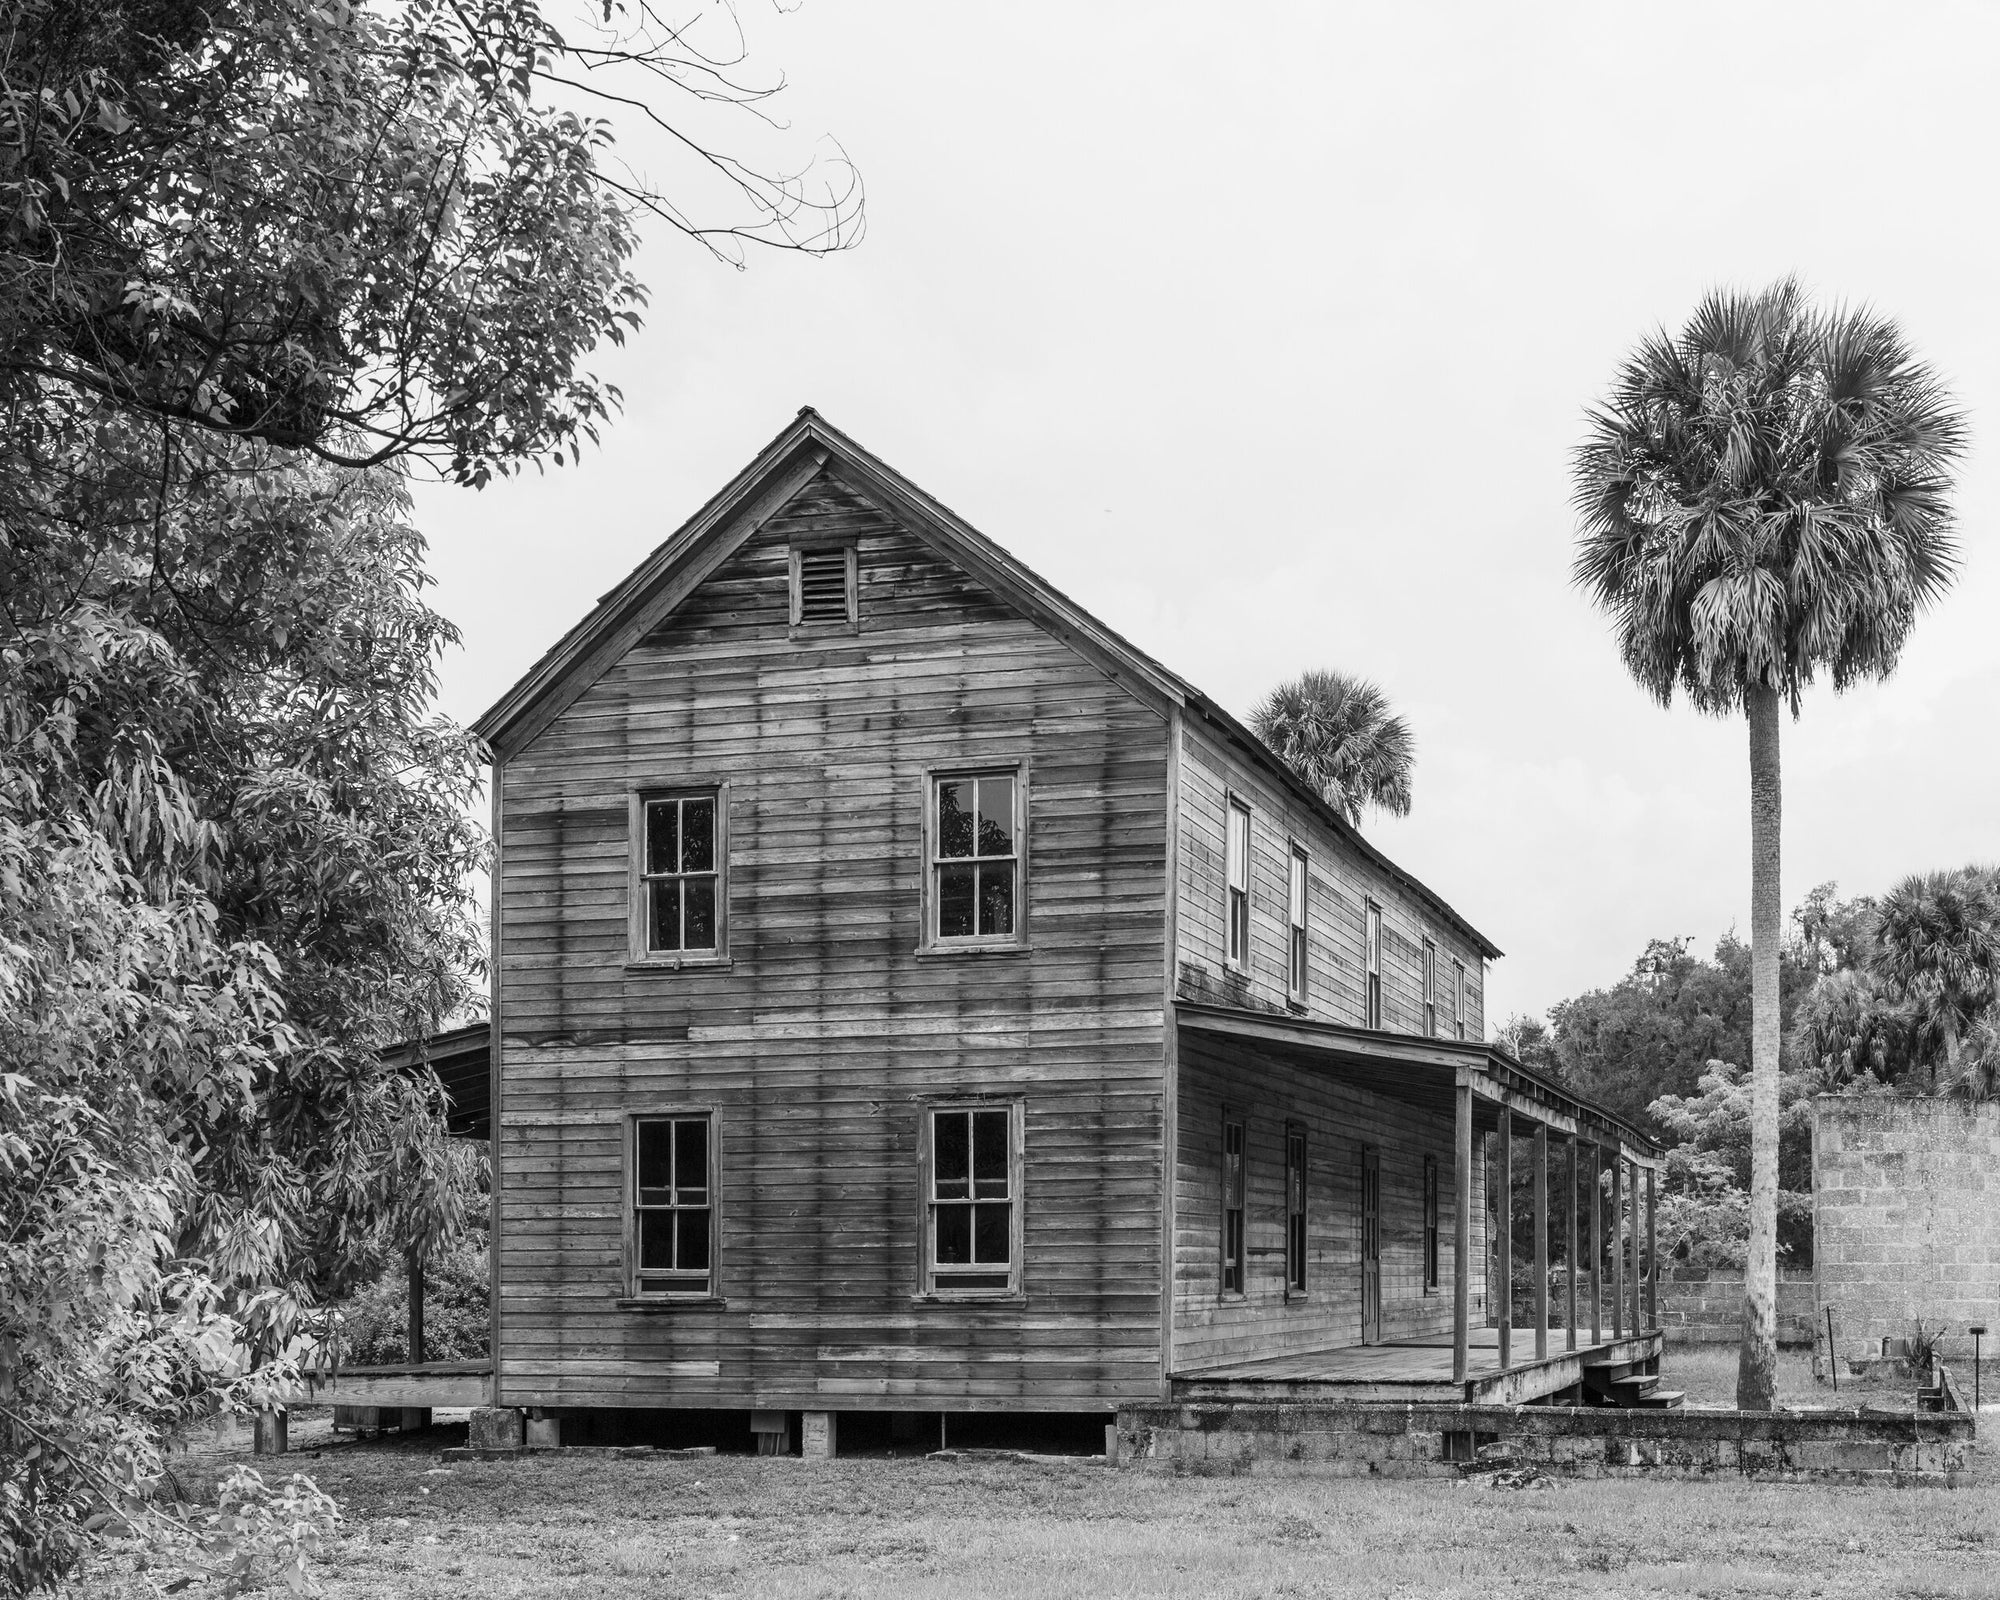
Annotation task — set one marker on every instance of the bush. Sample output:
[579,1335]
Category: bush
[374,1325]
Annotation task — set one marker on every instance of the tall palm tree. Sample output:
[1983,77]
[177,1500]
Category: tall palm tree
[1339,734]
[1762,498]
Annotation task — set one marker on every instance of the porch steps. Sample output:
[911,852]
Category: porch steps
[1624,1385]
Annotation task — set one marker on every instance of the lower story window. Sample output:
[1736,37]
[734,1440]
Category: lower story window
[1430,1222]
[1232,1206]
[973,1204]
[673,1204]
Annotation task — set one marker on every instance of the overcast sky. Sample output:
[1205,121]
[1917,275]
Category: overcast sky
[1265,333]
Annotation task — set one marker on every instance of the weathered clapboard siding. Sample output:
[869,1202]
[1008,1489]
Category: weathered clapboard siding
[1340,881]
[818,1041]
[1267,1093]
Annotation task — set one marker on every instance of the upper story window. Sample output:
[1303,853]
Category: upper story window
[1458,998]
[1296,982]
[1237,911]
[1430,988]
[680,899]
[824,587]
[673,1165]
[1371,1000]
[975,834]
[972,1156]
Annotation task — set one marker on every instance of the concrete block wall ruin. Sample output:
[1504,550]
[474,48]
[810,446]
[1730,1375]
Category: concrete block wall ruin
[1906,1220]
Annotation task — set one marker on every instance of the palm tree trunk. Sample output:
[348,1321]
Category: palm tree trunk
[1757,1366]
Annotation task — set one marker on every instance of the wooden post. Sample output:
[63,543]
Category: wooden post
[273,1432]
[1572,1253]
[1596,1243]
[1541,1242]
[1461,1234]
[1632,1204]
[1506,1296]
[1652,1253]
[1618,1244]
[416,1283]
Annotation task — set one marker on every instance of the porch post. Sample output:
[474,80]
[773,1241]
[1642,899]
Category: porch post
[1618,1243]
[1652,1254]
[1570,1255]
[1633,1206]
[1596,1243]
[1541,1242]
[1461,1232]
[416,1289]
[1506,1238]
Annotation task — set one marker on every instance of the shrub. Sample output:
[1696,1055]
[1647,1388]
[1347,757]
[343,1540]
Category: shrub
[374,1325]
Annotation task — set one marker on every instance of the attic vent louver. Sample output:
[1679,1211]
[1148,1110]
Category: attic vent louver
[822,585]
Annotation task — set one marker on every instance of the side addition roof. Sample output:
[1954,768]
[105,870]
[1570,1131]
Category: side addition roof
[785,466]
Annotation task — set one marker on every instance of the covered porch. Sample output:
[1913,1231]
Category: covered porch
[1588,1197]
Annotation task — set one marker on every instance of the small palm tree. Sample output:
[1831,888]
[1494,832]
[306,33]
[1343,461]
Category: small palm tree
[1763,498]
[1938,949]
[1339,734]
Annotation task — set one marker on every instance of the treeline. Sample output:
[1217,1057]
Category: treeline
[1895,994]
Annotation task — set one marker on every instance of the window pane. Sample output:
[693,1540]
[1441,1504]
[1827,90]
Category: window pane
[954,1236]
[691,1159]
[989,1235]
[698,835]
[655,1155]
[662,835]
[955,811]
[1298,891]
[656,1241]
[699,933]
[1239,848]
[664,926]
[996,899]
[691,1240]
[996,816]
[957,888]
[989,1154]
[950,1155]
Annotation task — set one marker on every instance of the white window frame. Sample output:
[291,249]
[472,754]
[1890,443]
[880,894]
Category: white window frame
[938,1279]
[1458,997]
[932,942]
[1371,976]
[1236,844]
[1298,890]
[710,1289]
[1430,959]
[639,880]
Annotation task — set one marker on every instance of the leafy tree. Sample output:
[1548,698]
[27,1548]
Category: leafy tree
[1339,734]
[1704,1213]
[1763,498]
[358,230]
[253,257]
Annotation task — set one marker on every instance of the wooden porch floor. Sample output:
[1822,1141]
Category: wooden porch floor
[1416,1369]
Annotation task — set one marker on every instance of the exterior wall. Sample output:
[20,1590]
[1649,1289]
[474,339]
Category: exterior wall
[1906,1219]
[1338,1118]
[1340,881]
[817,1044]
[1704,1305]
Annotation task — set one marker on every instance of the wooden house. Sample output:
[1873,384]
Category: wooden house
[910,997]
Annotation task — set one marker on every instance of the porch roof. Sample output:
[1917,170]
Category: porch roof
[462,1061]
[1423,1071]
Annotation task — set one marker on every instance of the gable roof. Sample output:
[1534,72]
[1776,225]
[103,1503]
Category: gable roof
[781,469]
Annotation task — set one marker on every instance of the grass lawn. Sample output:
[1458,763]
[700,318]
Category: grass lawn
[609,1528]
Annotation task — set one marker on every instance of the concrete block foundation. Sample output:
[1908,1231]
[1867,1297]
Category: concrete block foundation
[1443,1441]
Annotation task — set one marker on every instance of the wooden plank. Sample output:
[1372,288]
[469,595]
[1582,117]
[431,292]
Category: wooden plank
[1596,1242]
[1571,1255]
[1617,1247]
[1652,1254]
